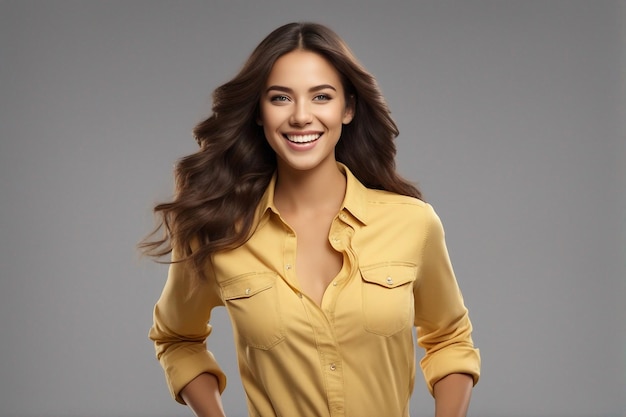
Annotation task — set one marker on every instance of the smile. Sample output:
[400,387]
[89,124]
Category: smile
[303,138]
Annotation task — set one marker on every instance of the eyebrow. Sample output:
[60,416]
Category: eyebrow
[311,90]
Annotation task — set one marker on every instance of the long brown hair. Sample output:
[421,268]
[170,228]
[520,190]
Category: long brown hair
[219,186]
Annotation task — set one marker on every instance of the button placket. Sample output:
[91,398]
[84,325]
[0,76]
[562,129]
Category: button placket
[289,256]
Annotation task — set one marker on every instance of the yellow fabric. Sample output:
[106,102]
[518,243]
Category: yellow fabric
[352,356]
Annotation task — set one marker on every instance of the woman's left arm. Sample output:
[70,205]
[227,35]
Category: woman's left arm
[452,395]
[451,363]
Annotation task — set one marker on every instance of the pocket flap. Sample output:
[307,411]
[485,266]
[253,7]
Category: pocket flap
[247,286]
[389,275]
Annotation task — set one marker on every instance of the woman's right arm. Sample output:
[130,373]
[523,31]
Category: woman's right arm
[202,395]
[180,329]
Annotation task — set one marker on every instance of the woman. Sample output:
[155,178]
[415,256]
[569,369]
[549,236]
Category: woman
[292,216]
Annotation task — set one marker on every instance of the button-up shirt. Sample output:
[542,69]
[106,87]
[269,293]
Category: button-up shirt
[352,355]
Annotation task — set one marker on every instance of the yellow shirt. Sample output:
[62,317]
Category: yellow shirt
[352,356]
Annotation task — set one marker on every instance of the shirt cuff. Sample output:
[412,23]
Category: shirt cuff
[183,370]
[450,361]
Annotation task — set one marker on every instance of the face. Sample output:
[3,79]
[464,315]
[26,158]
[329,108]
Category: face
[302,110]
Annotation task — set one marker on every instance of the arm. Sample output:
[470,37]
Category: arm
[180,329]
[444,330]
[202,395]
[452,395]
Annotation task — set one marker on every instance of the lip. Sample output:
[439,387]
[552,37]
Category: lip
[304,140]
[302,137]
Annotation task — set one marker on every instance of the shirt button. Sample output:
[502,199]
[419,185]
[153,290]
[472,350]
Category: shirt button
[334,283]
[332,367]
[389,280]
[299,295]
[288,266]
[247,291]
[342,216]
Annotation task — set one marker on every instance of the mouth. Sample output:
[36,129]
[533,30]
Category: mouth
[302,138]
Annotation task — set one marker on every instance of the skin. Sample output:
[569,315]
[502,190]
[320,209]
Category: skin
[304,101]
[202,395]
[452,395]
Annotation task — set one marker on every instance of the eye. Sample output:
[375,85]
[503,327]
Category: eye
[279,98]
[322,97]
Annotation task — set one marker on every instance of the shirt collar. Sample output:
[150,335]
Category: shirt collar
[354,202]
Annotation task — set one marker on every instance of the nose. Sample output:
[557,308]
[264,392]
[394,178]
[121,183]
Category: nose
[301,115]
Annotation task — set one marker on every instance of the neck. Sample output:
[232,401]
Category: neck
[321,189]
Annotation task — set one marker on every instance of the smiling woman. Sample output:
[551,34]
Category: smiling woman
[302,112]
[292,216]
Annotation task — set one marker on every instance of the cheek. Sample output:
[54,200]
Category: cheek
[270,135]
[271,117]
[271,127]
[332,117]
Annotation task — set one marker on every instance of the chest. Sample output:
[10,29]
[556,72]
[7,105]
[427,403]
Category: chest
[317,262]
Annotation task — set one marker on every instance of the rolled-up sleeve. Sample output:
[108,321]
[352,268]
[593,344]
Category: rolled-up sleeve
[181,327]
[443,326]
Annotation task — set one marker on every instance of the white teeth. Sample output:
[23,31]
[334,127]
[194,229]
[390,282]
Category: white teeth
[303,138]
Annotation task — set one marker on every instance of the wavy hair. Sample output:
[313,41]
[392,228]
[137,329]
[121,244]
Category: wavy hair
[219,186]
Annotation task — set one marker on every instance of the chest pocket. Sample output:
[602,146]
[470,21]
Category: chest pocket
[388,296]
[253,305]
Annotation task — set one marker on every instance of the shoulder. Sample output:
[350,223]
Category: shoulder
[411,212]
[386,200]
[375,205]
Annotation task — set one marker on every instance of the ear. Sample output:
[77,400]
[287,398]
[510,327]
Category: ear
[349,112]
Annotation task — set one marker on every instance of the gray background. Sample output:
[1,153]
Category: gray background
[510,117]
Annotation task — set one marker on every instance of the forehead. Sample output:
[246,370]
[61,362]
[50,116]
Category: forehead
[301,68]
